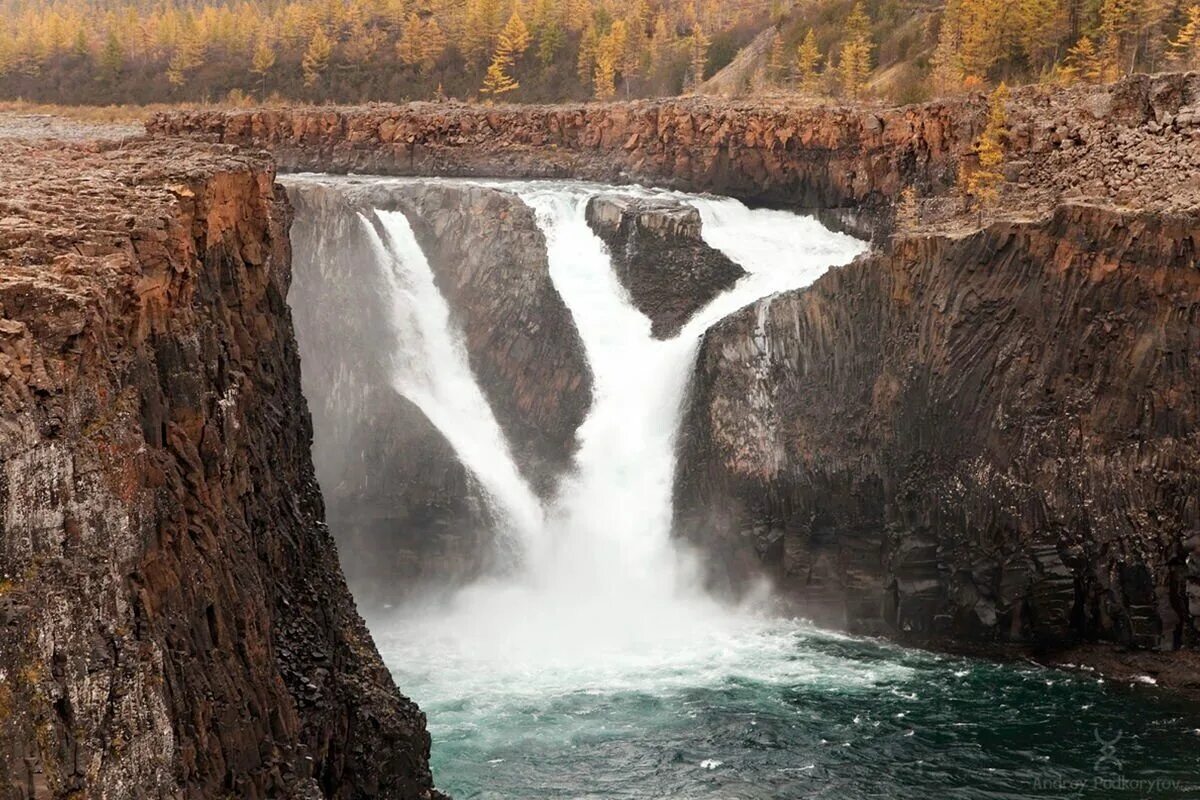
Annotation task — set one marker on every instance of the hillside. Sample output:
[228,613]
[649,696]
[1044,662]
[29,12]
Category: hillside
[132,51]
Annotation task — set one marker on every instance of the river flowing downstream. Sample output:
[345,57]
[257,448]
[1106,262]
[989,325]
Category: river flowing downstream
[596,666]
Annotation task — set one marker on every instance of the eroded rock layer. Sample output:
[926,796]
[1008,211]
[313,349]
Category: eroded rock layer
[990,436]
[660,257]
[1130,140]
[175,621]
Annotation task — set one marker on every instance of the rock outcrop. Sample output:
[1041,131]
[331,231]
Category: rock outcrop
[990,437]
[660,257]
[489,260]
[404,510]
[987,428]
[175,621]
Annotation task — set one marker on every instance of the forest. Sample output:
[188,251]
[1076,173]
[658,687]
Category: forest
[135,51]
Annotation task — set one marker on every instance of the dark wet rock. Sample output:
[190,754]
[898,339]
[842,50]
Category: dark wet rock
[489,261]
[991,436]
[405,512]
[661,258]
[408,516]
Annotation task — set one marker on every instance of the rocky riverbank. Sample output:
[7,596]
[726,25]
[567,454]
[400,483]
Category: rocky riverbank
[176,624]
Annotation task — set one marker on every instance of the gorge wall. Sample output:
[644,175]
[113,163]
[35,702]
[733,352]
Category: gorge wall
[991,436]
[175,621]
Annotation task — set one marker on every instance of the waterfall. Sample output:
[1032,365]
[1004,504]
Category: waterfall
[432,370]
[602,579]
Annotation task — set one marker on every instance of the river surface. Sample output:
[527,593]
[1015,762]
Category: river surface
[782,710]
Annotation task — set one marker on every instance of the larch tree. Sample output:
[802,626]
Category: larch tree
[699,55]
[316,57]
[808,60]
[854,58]
[188,55]
[1185,47]
[948,73]
[776,61]
[604,74]
[262,61]
[511,44]
[1043,24]
[981,185]
[1118,22]
[1083,62]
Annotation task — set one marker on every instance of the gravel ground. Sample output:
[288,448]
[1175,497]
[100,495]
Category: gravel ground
[15,125]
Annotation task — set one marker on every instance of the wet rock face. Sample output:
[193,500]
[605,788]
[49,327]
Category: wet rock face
[175,621]
[660,257]
[407,515]
[489,261]
[990,437]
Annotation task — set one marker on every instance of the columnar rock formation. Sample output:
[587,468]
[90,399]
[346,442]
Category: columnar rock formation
[991,436]
[175,622]
[984,430]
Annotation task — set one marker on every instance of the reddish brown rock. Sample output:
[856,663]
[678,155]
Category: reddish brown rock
[175,622]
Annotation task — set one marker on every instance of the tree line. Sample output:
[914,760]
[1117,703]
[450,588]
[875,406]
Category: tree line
[101,51]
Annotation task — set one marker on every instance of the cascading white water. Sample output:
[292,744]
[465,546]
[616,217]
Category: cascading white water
[604,583]
[432,370]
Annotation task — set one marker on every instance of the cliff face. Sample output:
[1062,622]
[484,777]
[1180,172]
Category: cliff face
[405,511]
[660,257]
[816,157]
[489,260]
[990,436]
[175,620]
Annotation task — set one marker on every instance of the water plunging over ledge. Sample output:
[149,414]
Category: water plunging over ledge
[600,668]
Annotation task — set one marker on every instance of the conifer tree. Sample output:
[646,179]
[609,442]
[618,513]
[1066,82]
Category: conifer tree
[510,45]
[981,186]
[1083,62]
[854,60]
[112,58]
[808,58]
[188,55]
[262,61]
[316,57]
[699,60]
[1185,47]
[776,65]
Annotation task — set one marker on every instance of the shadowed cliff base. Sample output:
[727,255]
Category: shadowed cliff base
[176,624]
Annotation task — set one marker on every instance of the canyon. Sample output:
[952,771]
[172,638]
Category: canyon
[980,433]
[984,430]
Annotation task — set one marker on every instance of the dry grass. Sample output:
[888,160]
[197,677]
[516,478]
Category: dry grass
[93,114]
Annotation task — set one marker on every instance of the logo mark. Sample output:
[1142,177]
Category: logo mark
[1107,761]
